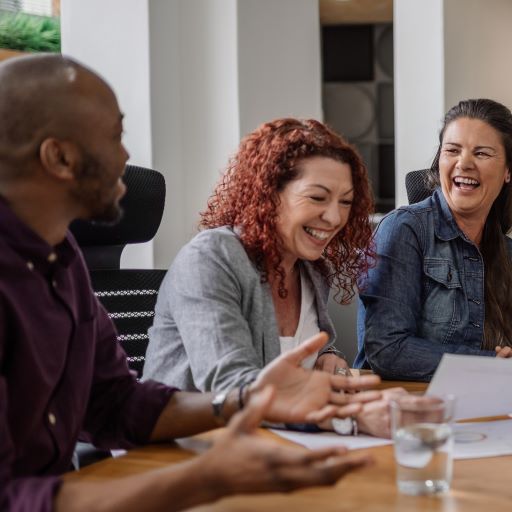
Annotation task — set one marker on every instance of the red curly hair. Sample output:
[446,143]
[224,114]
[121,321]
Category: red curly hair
[248,197]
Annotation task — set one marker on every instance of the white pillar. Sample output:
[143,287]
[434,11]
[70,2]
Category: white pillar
[194,107]
[419,85]
[112,38]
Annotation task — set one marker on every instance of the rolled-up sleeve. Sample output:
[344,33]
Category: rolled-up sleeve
[122,411]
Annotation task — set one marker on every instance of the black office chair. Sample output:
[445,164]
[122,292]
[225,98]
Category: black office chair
[417,186]
[128,295]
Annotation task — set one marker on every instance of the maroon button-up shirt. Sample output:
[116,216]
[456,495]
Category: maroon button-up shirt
[62,371]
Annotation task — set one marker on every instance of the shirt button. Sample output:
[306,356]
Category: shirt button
[30,265]
[51,418]
[52,257]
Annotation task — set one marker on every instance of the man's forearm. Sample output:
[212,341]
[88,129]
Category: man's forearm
[189,413]
[168,489]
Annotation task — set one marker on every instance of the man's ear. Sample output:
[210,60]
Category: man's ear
[507,177]
[59,158]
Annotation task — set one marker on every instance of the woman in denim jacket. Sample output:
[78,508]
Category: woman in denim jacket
[443,279]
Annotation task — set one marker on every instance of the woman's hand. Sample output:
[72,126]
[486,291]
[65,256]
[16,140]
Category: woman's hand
[329,362]
[241,461]
[310,396]
[504,352]
[375,418]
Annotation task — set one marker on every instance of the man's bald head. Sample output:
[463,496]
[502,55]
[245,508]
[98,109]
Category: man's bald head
[43,96]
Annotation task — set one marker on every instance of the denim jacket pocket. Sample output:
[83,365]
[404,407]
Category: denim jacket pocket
[442,285]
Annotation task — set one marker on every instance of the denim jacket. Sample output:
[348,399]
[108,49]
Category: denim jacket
[425,297]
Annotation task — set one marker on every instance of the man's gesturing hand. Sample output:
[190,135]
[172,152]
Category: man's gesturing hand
[312,396]
[243,461]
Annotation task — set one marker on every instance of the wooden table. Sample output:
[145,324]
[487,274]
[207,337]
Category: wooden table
[478,485]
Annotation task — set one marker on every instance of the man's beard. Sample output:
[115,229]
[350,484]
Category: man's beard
[92,187]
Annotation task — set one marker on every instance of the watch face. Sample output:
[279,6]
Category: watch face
[343,426]
[217,405]
[219,399]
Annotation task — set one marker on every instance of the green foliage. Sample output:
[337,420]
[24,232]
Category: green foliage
[26,32]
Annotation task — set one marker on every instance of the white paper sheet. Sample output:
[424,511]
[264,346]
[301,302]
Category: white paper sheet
[472,440]
[481,385]
[324,439]
[482,439]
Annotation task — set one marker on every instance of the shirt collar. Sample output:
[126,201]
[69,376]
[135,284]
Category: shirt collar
[30,245]
[444,223]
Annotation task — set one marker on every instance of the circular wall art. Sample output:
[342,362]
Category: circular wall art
[349,108]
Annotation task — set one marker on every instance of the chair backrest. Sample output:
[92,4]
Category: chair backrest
[128,295]
[416,185]
[143,206]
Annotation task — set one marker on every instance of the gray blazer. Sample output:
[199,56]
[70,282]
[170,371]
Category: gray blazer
[215,325]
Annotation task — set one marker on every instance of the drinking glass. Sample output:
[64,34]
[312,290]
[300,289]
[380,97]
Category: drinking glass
[423,443]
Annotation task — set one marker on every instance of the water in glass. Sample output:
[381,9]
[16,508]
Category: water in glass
[423,456]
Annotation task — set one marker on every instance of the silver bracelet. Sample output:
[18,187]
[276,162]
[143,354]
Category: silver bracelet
[335,351]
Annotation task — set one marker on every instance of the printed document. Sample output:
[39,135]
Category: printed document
[480,384]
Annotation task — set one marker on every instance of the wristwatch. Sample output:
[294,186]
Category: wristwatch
[345,426]
[218,402]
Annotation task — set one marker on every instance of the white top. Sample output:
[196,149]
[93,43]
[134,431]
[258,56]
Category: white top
[308,323]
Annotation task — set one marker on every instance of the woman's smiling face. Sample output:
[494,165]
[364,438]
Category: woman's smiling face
[314,207]
[472,168]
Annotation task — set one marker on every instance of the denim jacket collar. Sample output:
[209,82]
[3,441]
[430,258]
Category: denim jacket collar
[445,226]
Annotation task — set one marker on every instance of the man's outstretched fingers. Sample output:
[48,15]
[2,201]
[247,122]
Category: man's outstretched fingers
[325,453]
[330,412]
[348,398]
[349,410]
[354,383]
[326,469]
[336,467]
[327,412]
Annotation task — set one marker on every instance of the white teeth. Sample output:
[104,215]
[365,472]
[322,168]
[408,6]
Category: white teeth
[465,181]
[320,235]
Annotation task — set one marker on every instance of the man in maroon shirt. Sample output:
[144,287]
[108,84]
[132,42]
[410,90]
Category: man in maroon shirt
[62,371]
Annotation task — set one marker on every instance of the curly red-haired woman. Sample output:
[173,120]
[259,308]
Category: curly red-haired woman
[288,222]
